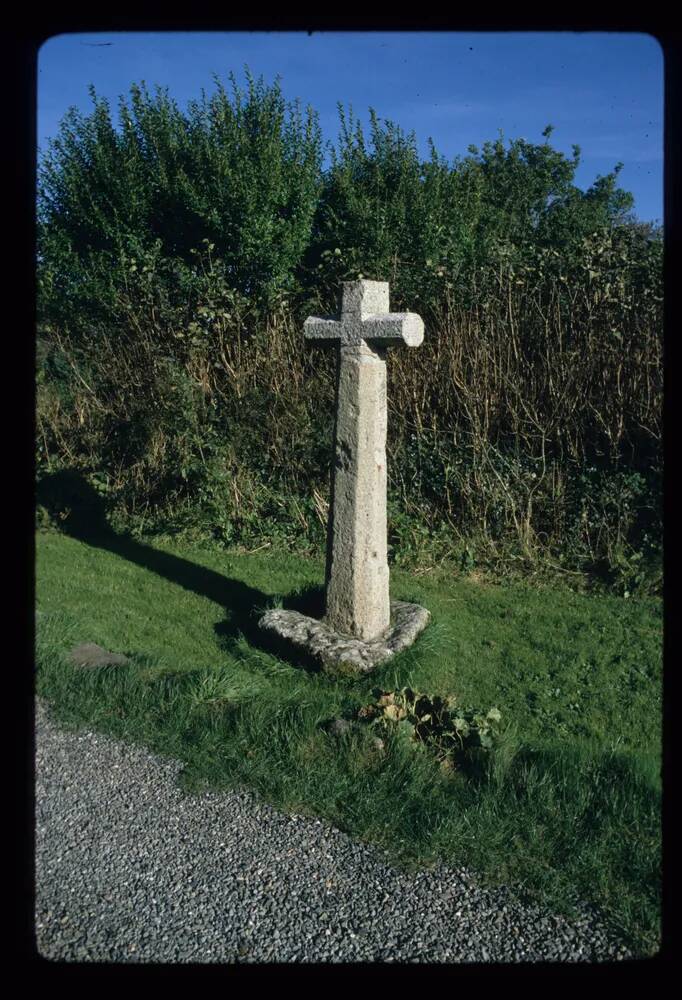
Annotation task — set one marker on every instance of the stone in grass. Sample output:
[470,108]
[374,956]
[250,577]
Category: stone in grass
[89,654]
[340,727]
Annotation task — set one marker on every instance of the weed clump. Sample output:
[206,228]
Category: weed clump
[458,737]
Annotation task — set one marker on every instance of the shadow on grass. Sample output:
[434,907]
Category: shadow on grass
[308,600]
[69,498]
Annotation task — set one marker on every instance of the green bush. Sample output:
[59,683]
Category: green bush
[240,175]
[180,251]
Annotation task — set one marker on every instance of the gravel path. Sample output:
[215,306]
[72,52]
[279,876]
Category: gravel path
[130,869]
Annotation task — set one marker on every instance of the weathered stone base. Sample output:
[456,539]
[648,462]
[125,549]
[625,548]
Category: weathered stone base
[342,654]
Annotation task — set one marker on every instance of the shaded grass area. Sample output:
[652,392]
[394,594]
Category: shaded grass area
[569,806]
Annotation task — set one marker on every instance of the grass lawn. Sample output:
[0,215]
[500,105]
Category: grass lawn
[570,805]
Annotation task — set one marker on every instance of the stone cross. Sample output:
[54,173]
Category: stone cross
[357,553]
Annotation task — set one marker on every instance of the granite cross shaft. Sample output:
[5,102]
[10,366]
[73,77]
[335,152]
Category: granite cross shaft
[358,602]
[362,627]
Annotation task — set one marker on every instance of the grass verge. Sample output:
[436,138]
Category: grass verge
[569,807]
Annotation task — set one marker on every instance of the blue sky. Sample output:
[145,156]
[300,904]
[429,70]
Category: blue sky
[603,91]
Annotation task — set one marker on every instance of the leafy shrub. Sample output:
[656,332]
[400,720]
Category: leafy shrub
[180,251]
[241,175]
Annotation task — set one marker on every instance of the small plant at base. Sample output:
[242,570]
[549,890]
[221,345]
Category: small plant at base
[457,736]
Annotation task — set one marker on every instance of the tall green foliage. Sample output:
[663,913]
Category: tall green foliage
[179,252]
[385,214]
[435,230]
[242,174]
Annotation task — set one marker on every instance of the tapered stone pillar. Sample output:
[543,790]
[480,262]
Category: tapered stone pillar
[357,555]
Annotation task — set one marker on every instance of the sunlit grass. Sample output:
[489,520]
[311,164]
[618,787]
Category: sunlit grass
[570,807]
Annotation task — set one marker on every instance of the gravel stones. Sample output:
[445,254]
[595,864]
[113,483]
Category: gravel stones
[336,653]
[131,869]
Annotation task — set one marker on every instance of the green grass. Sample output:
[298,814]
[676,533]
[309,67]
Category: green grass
[570,806]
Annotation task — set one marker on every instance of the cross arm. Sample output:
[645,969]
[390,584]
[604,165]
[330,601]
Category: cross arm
[386,328]
[394,328]
[322,328]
